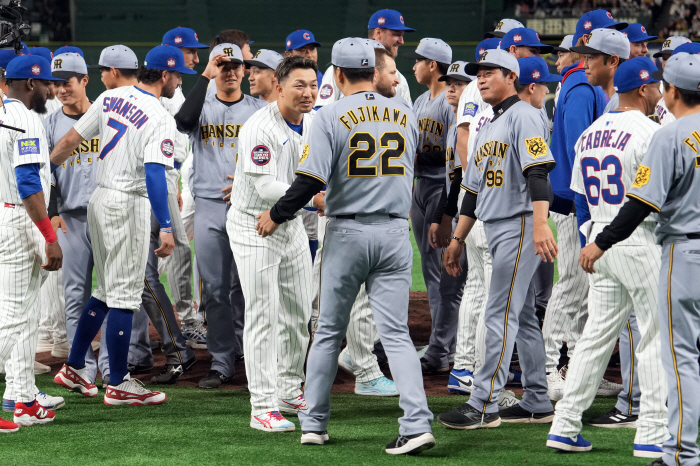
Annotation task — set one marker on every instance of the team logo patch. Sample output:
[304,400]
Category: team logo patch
[517,38]
[171,63]
[260,155]
[644,30]
[401,19]
[167,148]
[364,62]
[536,75]
[195,37]
[455,68]
[538,35]
[587,37]
[587,25]
[369,96]
[642,176]
[381,21]
[289,43]
[667,44]
[178,40]
[228,51]
[609,15]
[483,56]
[307,36]
[326,91]
[626,35]
[499,26]
[481,51]
[36,70]
[304,154]
[536,147]
[29,146]
[57,64]
[470,109]
[644,75]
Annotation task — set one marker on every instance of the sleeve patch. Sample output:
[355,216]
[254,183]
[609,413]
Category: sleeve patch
[304,154]
[260,155]
[326,91]
[167,148]
[470,109]
[29,146]
[642,177]
[536,147]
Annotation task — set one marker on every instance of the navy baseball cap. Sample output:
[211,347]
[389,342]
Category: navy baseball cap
[536,70]
[69,48]
[688,47]
[6,55]
[30,67]
[42,52]
[388,19]
[633,73]
[636,32]
[167,58]
[524,37]
[300,38]
[503,26]
[595,19]
[183,37]
[487,44]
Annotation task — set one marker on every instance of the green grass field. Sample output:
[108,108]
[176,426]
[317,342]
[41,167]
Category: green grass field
[211,427]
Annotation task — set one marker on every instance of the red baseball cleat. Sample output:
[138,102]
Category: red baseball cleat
[31,415]
[7,427]
[76,380]
[132,392]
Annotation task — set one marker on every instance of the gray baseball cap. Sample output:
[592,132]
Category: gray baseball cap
[66,65]
[670,45]
[503,26]
[607,41]
[265,58]
[353,52]
[118,56]
[566,44]
[433,49]
[682,70]
[232,51]
[457,72]
[376,44]
[494,58]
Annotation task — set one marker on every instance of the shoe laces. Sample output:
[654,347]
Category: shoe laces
[137,386]
[562,371]
[276,415]
[42,395]
[401,441]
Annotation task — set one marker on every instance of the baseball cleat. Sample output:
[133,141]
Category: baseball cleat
[657,462]
[648,451]
[50,402]
[461,381]
[555,385]
[345,362]
[44,346]
[514,377]
[132,392]
[60,350]
[466,417]
[26,416]
[271,421]
[411,444]
[506,399]
[608,388]
[76,380]
[314,438]
[429,368]
[519,415]
[135,369]
[576,444]
[380,386]
[172,372]
[614,419]
[7,427]
[196,335]
[292,405]
[213,380]
[40,368]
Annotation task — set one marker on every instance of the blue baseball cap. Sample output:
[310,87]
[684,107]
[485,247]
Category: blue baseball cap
[595,19]
[487,44]
[688,47]
[30,67]
[183,37]
[6,55]
[24,50]
[42,52]
[536,70]
[524,37]
[300,38]
[167,58]
[388,19]
[633,73]
[636,32]
[69,49]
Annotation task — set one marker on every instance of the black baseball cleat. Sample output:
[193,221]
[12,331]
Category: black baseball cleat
[429,368]
[657,462]
[466,417]
[213,380]
[519,415]
[411,444]
[172,372]
[136,370]
[614,419]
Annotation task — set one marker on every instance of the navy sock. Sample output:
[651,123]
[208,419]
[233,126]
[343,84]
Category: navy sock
[30,404]
[118,338]
[91,319]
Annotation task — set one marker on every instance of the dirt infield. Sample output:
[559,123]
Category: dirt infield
[419,323]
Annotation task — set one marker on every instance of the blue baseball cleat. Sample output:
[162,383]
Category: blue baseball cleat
[8,405]
[648,451]
[573,445]
[461,381]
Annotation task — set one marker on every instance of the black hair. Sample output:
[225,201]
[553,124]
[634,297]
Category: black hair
[148,76]
[442,68]
[230,36]
[606,56]
[355,75]
[125,72]
[689,98]
[290,64]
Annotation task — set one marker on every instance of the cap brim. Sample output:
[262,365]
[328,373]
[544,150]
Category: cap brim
[662,53]
[185,70]
[658,74]
[458,77]
[560,49]
[194,46]
[544,48]
[233,60]
[413,54]
[66,75]
[259,64]
[584,49]
[401,28]
[618,26]
[552,78]
[492,34]
[473,68]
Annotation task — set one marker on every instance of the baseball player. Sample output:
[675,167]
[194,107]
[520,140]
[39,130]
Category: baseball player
[369,175]
[275,271]
[607,154]
[262,78]
[669,46]
[29,246]
[511,153]
[666,183]
[564,60]
[303,43]
[130,175]
[213,123]
[52,102]
[639,39]
[386,27]
[602,53]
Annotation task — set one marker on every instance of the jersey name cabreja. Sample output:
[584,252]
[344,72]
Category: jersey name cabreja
[504,148]
[328,91]
[215,143]
[22,149]
[452,161]
[363,148]
[75,179]
[267,146]
[665,116]
[135,129]
[608,154]
[435,116]
[668,179]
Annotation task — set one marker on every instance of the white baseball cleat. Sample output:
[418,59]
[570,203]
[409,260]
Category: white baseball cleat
[132,392]
[44,346]
[380,386]
[608,388]
[76,380]
[314,438]
[60,350]
[345,362]
[555,385]
[506,399]
[271,421]
[292,405]
[40,368]
[50,402]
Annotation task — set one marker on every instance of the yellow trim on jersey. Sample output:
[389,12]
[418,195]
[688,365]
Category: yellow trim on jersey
[162,313]
[539,163]
[631,380]
[646,202]
[468,190]
[675,362]
[201,300]
[312,176]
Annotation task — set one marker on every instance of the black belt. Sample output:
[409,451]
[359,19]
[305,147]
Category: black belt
[693,236]
[352,216]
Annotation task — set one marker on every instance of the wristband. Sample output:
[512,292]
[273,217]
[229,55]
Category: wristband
[46,229]
[459,240]
[167,230]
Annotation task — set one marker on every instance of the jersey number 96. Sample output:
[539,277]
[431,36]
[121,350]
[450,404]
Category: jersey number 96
[494,178]
[365,147]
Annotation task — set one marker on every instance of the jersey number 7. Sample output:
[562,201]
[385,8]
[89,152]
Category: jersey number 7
[591,168]
[121,131]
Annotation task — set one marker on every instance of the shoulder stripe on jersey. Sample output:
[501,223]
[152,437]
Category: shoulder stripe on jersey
[468,190]
[299,172]
[539,163]
[632,196]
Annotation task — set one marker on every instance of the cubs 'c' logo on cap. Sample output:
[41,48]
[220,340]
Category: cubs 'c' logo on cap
[455,68]
[536,75]
[195,37]
[260,155]
[364,62]
[538,35]
[167,148]
[644,30]
[609,14]
[289,43]
[228,51]
[171,63]
[499,25]
[36,69]
[642,176]
[381,21]
[307,36]
[517,38]
[178,40]
[401,19]
[57,64]
[644,75]
[667,44]
[483,56]
[536,147]
[587,25]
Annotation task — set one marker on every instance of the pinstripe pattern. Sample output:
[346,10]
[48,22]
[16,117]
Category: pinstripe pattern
[52,324]
[665,116]
[19,371]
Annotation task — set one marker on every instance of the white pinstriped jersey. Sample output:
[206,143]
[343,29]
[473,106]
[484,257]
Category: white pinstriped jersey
[470,103]
[267,146]
[135,130]
[20,149]
[608,154]
[328,91]
[665,116]
[452,161]
[182,142]
[480,120]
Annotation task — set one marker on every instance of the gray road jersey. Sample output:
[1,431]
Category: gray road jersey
[668,179]
[363,148]
[215,144]
[503,150]
[612,104]
[74,178]
[435,116]
[452,161]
